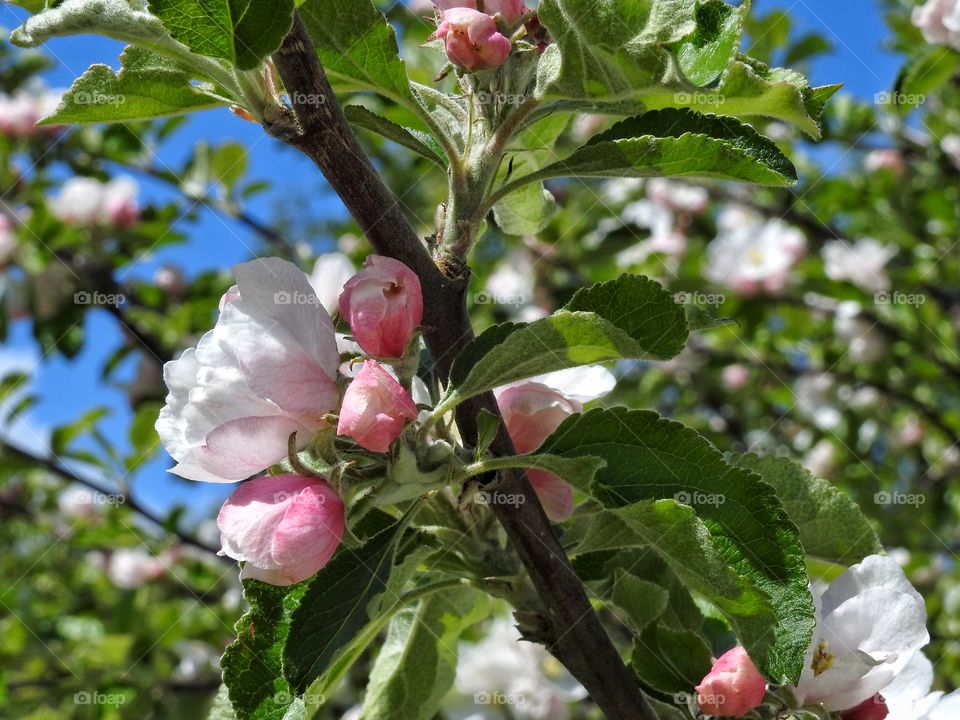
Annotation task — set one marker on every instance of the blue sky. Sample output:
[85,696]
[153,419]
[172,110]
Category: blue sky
[854,27]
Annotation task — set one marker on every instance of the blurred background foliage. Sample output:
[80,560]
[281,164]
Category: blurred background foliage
[845,292]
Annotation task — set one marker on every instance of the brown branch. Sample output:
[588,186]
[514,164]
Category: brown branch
[319,129]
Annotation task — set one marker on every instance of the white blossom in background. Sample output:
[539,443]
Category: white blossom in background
[939,21]
[678,196]
[87,202]
[197,660]
[887,159]
[170,279]
[950,145]
[815,397]
[821,459]
[503,669]
[330,272]
[870,624]
[20,112]
[77,503]
[752,254]
[512,286]
[861,263]
[8,241]
[129,568]
[620,190]
[665,237]
[865,341]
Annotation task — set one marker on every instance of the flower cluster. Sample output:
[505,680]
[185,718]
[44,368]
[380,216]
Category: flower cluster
[87,202]
[472,36]
[269,382]
[864,655]
[939,21]
[20,111]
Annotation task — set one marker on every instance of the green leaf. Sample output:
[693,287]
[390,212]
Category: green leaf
[357,47]
[630,317]
[488,425]
[831,525]
[529,210]
[118,19]
[578,471]
[147,86]
[652,458]
[242,32]
[670,660]
[420,142]
[643,601]
[338,603]
[924,74]
[623,57]
[679,143]
[62,436]
[417,664]
[252,663]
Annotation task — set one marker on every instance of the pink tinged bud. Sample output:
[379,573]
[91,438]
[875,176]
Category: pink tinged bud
[283,527]
[384,305]
[735,377]
[874,708]
[510,10]
[471,39]
[375,408]
[531,412]
[733,687]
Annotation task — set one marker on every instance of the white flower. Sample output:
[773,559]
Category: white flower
[512,286]
[87,202]
[197,660]
[865,341]
[77,503]
[939,21]
[909,697]
[502,668]
[886,159]
[951,148]
[861,263]
[330,272]
[821,458]
[870,623]
[751,254]
[129,568]
[678,196]
[266,370]
[664,237]
[815,398]
[20,112]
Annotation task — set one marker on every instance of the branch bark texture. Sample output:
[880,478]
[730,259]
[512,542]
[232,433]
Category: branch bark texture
[572,631]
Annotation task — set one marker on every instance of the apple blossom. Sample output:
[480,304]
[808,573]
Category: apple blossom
[330,273]
[284,528]
[870,622]
[532,409]
[939,21]
[874,708]
[664,238]
[815,398]
[266,370]
[861,263]
[129,568]
[502,664]
[20,112]
[887,159]
[751,254]
[472,40]
[87,202]
[375,408]
[8,242]
[909,696]
[512,287]
[735,377]
[733,687]
[170,279]
[677,196]
[865,341]
[383,304]
[509,10]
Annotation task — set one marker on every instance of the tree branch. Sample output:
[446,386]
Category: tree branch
[319,129]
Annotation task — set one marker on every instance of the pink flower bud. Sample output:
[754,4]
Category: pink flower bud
[284,527]
[531,411]
[735,377]
[120,207]
[384,305]
[510,10]
[733,686]
[471,39]
[874,708]
[375,408]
